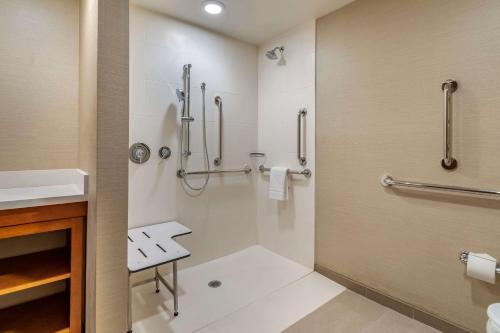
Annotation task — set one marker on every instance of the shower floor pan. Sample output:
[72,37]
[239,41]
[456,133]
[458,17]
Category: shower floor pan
[260,291]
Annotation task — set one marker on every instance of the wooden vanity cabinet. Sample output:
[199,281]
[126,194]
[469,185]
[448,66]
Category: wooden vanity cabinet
[60,312]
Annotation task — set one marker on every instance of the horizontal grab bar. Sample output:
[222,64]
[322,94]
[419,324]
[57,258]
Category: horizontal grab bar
[306,172]
[181,173]
[388,181]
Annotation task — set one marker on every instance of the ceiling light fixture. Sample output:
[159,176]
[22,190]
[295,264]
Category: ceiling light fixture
[213,7]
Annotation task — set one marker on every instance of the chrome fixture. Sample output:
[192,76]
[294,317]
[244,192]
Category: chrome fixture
[257,155]
[214,284]
[463,256]
[306,172]
[139,153]
[388,181]
[186,119]
[183,173]
[301,140]
[164,152]
[448,162]
[273,55]
[218,159]
[184,96]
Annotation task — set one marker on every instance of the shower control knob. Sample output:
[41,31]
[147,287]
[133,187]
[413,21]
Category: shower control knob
[165,152]
[139,153]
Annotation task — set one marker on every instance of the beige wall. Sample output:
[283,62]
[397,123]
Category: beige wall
[39,84]
[104,154]
[379,110]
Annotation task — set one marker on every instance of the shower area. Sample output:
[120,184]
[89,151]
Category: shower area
[210,115]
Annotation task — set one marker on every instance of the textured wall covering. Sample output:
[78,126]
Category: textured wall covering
[379,110]
[104,154]
[39,84]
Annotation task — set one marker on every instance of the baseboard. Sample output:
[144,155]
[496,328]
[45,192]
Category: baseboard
[392,303]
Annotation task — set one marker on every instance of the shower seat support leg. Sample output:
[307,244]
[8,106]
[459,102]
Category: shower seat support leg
[176,300]
[157,280]
[129,314]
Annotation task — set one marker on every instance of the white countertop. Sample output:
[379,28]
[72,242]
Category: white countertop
[30,188]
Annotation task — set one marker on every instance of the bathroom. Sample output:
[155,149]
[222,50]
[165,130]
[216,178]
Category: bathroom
[249,166]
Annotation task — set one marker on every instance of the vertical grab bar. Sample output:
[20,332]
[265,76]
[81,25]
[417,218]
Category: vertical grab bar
[301,141]
[218,159]
[448,162]
[187,107]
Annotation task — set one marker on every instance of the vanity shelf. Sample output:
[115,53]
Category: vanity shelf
[45,315]
[54,314]
[34,270]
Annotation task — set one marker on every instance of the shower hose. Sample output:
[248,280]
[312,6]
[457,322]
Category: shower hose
[205,147]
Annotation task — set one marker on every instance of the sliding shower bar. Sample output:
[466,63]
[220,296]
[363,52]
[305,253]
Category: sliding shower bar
[181,173]
[306,172]
[448,162]
[301,141]
[218,159]
[388,181]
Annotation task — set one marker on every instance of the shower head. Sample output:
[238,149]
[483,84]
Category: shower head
[272,55]
[180,94]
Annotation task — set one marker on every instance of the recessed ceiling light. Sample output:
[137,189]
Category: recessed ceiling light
[213,7]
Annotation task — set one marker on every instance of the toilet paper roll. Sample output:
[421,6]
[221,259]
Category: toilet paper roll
[482,266]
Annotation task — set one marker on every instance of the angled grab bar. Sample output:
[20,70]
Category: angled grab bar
[301,141]
[448,162]
[218,159]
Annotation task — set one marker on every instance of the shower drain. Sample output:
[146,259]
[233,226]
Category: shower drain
[214,284]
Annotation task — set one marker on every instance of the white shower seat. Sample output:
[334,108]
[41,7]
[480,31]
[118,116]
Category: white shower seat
[152,246]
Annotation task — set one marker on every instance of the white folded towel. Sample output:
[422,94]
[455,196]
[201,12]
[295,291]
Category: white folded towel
[278,184]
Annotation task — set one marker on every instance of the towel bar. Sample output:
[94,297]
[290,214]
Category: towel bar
[306,172]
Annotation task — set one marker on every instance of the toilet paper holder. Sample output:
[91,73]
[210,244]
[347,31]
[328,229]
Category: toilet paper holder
[464,257]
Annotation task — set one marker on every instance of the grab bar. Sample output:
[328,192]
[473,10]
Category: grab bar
[181,173]
[388,181]
[306,172]
[186,114]
[301,141]
[448,162]
[463,256]
[218,159]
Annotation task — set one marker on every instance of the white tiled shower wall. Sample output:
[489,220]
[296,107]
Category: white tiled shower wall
[285,87]
[223,217]
[261,100]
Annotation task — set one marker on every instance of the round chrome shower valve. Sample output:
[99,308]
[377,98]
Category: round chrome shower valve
[165,152]
[139,153]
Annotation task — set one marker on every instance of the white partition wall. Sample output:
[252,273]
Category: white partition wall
[285,86]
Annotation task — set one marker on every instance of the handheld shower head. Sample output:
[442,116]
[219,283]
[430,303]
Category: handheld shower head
[272,54]
[180,95]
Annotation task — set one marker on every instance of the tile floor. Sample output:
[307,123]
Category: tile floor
[353,313]
[262,292]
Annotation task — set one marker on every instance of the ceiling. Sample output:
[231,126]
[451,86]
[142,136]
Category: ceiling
[253,21]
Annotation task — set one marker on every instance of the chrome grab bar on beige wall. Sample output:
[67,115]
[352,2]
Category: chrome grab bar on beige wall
[218,159]
[301,140]
[388,181]
[448,162]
